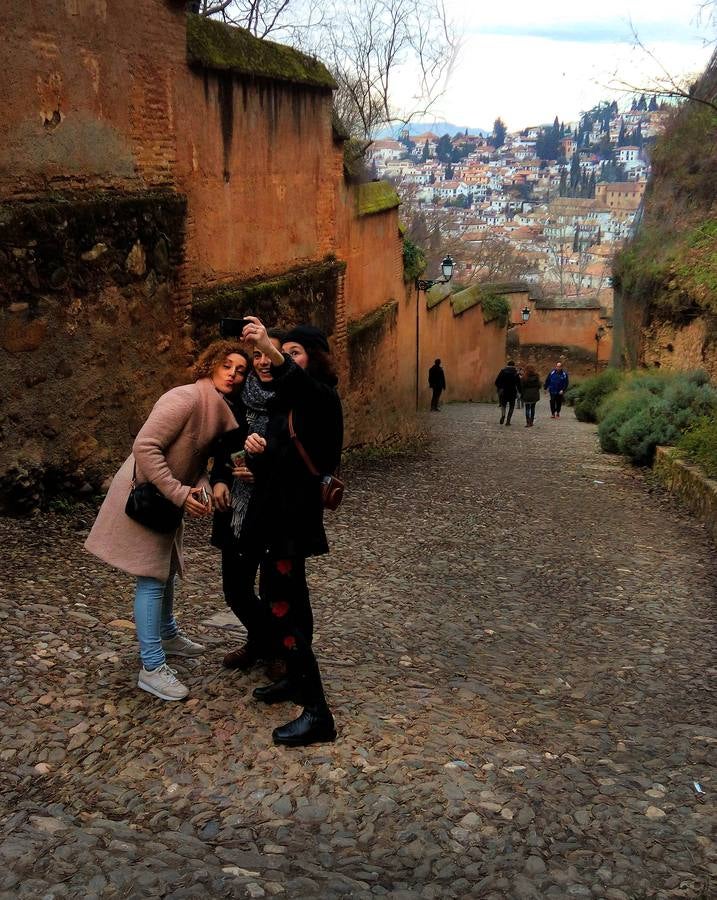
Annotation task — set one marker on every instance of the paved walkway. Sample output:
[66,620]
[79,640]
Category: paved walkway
[517,637]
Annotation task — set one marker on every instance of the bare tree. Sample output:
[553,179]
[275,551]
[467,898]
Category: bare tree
[690,89]
[291,20]
[367,45]
[364,43]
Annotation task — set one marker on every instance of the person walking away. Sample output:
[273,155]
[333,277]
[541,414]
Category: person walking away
[437,383]
[508,385]
[530,391]
[171,451]
[519,399]
[556,384]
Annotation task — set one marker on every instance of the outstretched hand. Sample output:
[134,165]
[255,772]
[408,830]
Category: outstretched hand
[256,334]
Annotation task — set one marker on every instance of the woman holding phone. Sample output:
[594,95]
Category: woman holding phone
[233,485]
[284,521]
[171,451]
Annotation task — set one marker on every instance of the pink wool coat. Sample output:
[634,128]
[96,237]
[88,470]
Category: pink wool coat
[171,451]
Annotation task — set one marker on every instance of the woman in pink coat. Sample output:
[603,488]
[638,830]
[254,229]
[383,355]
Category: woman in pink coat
[171,451]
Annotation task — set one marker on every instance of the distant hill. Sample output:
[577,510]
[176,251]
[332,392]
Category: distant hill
[439,128]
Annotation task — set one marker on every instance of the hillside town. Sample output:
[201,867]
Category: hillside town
[548,204]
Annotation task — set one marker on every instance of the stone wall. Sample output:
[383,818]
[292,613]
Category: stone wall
[454,329]
[564,331]
[156,173]
[89,333]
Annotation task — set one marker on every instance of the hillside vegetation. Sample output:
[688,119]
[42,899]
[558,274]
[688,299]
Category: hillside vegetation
[668,272]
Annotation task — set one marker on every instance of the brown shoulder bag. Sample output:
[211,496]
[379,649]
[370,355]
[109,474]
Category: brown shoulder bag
[332,487]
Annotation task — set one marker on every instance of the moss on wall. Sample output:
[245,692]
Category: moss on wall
[372,324]
[214,45]
[375,197]
[307,294]
[495,307]
[365,336]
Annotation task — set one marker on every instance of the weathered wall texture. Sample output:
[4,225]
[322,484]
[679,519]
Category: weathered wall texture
[670,345]
[149,184]
[471,350]
[560,332]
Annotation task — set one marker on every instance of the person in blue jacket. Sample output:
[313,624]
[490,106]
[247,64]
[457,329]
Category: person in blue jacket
[556,384]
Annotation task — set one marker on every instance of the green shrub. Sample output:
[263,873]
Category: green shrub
[653,408]
[588,395]
[618,408]
[700,443]
[414,261]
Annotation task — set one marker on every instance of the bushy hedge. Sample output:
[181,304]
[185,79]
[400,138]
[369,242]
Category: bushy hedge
[587,396]
[651,409]
[700,443]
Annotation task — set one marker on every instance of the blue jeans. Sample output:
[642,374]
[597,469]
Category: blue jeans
[154,618]
[529,412]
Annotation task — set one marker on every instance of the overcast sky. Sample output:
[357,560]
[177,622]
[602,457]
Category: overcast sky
[529,61]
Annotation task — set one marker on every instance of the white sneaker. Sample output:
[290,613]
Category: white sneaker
[180,645]
[162,682]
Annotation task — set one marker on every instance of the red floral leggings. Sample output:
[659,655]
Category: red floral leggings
[291,623]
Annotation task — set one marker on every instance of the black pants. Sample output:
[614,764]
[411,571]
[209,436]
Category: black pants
[556,404]
[511,406]
[530,412]
[285,591]
[436,397]
[238,580]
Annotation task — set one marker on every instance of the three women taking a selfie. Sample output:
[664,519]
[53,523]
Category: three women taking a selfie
[285,419]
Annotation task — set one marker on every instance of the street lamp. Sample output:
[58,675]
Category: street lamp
[424,284]
[524,315]
[599,335]
[446,267]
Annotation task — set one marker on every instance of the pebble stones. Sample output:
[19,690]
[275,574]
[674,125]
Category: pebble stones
[488,630]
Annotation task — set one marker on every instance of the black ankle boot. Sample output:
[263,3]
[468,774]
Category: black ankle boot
[314,726]
[281,691]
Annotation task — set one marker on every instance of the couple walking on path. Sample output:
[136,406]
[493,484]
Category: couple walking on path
[512,383]
[271,504]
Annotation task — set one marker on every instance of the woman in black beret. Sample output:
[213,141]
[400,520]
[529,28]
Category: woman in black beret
[284,521]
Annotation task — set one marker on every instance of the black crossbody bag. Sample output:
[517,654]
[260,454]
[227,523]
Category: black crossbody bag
[148,506]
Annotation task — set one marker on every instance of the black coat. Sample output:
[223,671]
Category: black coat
[285,513]
[436,378]
[508,383]
[530,388]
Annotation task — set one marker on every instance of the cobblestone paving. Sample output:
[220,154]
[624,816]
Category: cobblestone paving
[517,637]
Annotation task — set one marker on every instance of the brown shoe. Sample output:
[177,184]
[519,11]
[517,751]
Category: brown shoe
[243,658]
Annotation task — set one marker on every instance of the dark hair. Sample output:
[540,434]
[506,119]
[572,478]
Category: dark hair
[530,370]
[510,362]
[321,365]
[279,334]
[215,354]
[437,362]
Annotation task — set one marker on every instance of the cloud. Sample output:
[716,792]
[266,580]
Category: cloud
[598,32]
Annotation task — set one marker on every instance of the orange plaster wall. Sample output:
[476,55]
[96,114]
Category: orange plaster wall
[471,351]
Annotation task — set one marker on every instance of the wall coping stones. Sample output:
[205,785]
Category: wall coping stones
[214,45]
[376,197]
[690,484]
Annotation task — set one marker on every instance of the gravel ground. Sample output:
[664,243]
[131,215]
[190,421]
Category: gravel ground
[516,634]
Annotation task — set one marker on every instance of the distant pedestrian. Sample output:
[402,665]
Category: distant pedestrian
[437,383]
[519,400]
[556,384]
[530,391]
[508,385]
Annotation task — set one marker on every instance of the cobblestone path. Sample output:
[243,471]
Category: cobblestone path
[516,634]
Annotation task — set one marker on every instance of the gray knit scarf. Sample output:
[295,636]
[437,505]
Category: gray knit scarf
[256,398]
